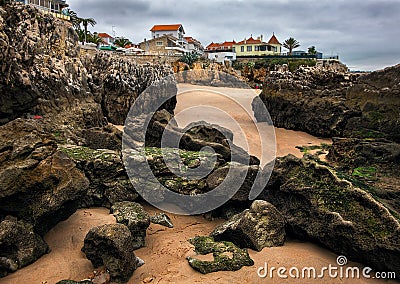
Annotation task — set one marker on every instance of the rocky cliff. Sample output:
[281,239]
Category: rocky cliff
[330,103]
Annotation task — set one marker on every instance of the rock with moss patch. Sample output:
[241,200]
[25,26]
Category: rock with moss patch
[111,245]
[19,246]
[319,206]
[260,226]
[135,218]
[162,219]
[227,256]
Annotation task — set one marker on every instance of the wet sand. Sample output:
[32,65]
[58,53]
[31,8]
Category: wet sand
[166,249]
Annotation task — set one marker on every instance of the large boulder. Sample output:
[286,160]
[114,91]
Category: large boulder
[111,245]
[311,100]
[19,246]
[258,227]
[319,206]
[104,169]
[227,256]
[38,183]
[135,218]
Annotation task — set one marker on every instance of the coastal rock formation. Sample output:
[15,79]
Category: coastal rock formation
[104,169]
[310,100]
[38,183]
[331,103]
[135,218]
[256,228]
[111,245]
[377,97]
[319,206]
[226,255]
[374,163]
[19,245]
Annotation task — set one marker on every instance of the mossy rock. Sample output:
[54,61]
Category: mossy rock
[227,256]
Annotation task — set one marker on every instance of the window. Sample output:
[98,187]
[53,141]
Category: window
[242,48]
[256,48]
[249,48]
[233,49]
[158,35]
[159,43]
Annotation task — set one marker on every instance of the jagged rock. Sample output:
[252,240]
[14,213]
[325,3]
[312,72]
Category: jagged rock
[111,245]
[310,100]
[162,219]
[377,97]
[19,246]
[135,218]
[227,256]
[373,162]
[38,183]
[260,226]
[109,182]
[108,137]
[318,206]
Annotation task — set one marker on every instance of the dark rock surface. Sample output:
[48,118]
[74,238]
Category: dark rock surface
[135,218]
[318,206]
[330,103]
[111,245]
[227,256]
[162,219]
[38,183]
[19,246]
[104,169]
[260,226]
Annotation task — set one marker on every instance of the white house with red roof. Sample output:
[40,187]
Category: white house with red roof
[106,39]
[224,46]
[221,52]
[175,30]
[193,45]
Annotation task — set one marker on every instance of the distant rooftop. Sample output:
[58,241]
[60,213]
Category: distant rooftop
[174,27]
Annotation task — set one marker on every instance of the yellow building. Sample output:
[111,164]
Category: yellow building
[256,47]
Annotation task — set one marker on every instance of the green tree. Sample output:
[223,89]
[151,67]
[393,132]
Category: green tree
[94,38]
[122,42]
[81,35]
[291,44]
[312,50]
[189,58]
[85,22]
[73,18]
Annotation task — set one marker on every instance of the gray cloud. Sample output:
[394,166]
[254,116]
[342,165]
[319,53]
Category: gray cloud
[363,32]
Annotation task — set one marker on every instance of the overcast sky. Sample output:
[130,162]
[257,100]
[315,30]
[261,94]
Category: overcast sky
[365,33]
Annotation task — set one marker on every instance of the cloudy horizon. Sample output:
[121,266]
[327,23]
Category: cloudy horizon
[363,33]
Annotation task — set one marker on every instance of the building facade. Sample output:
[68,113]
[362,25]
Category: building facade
[106,39]
[193,45]
[224,46]
[175,30]
[257,47]
[162,45]
[54,7]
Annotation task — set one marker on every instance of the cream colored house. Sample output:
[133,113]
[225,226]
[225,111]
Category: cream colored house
[257,47]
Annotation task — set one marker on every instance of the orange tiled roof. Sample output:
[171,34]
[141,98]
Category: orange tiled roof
[250,40]
[166,27]
[274,40]
[104,35]
[220,45]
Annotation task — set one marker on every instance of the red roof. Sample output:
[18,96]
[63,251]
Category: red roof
[250,40]
[104,35]
[273,40]
[227,44]
[166,27]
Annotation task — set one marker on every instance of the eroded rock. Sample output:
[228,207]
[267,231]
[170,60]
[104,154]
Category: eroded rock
[260,226]
[111,245]
[135,218]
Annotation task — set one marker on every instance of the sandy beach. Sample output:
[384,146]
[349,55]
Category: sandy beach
[166,249]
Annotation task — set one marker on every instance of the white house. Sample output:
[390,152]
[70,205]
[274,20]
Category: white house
[222,56]
[193,45]
[174,30]
[106,39]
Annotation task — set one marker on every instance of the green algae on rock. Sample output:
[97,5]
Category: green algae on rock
[227,256]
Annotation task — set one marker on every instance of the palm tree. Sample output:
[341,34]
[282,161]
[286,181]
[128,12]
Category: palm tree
[73,17]
[312,50]
[291,44]
[94,38]
[85,22]
[122,42]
